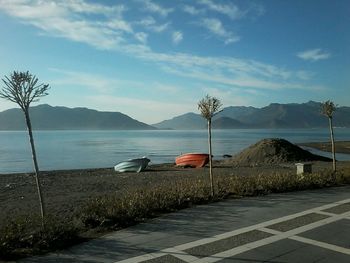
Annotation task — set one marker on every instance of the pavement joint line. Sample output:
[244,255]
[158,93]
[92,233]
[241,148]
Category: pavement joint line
[239,250]
[321,244]
[274,238]
[310,241]
[143,257]
[316,224]
[181,255]
[253,227]
[325,213]
[246,247]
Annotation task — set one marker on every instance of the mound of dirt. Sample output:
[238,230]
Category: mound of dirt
[273,151]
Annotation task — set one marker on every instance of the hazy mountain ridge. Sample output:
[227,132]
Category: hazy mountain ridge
[187,121]
[46,117]
[275,115]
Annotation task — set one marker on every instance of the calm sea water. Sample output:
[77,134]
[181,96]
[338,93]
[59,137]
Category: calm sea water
[93,149]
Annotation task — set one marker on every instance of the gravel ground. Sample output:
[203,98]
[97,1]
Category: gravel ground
[65,191]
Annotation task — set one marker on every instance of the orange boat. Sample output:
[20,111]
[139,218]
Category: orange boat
[192,160]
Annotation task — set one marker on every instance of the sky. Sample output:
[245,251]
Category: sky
[155,59]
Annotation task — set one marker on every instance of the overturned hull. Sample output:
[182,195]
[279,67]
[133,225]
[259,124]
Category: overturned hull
[196,160]
[132,165]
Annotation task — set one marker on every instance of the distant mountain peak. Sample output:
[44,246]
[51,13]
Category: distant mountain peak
[46,117]
[275,115]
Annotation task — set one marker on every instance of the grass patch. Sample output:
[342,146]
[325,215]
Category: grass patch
[24,235]
[134,206]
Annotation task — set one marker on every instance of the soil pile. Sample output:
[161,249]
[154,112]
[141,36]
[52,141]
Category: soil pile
[273,151]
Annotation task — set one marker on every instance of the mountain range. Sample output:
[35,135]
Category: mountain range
[275,115]
[46,117]
[294,115]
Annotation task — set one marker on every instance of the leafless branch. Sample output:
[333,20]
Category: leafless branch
[328,108]
[209,106]
[22,88]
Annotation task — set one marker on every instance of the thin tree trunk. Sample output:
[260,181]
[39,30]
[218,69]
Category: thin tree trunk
[333,144]
[210,159]
[36,167]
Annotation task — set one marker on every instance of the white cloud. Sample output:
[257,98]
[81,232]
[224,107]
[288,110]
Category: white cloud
[231,39]
[118,24]
[314,54]
[177,37]
[231,10]
[216,27]
[142,37]
[192,10]
[147,21]
[159,28]
[238,73]
[150,24]
[66,19]
[155,8]
[114,33]
[80,6]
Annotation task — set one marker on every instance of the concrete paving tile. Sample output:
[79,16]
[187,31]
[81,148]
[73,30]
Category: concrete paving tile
[196,223]
[297,222]
[226,243]
[288,251]
[337,233]
[339,209]
[265,253]
[112,249]
[174,240]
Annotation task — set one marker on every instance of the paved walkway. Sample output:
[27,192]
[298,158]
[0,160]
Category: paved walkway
[307,226]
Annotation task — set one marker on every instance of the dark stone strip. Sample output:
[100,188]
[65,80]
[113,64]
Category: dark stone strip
[297,222]
[226,243]
[339,209]
[163,259]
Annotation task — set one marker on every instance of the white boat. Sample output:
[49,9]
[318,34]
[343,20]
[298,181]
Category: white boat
[132,165]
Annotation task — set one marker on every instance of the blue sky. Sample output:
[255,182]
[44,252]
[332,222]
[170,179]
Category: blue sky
[154,60]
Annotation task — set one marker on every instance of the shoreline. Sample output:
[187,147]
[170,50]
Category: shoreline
[340,146]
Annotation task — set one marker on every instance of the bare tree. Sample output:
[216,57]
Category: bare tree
[22,88]
[327,109]
[209,107]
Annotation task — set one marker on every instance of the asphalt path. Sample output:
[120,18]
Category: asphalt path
[304,226]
